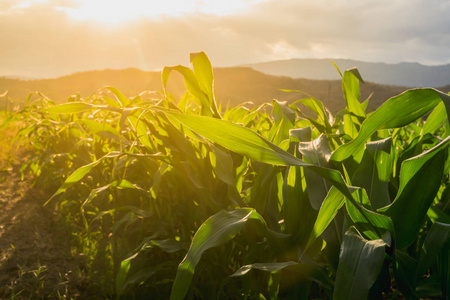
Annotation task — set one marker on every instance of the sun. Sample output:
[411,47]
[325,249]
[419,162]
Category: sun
[122,11]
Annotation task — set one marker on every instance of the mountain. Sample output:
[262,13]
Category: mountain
[401,74]
[233,86]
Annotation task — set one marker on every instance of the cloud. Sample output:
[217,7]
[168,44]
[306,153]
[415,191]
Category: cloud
[41,40]
[388,31]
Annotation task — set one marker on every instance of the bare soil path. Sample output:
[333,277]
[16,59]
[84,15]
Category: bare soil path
[37,260]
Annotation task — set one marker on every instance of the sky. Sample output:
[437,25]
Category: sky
[51,38]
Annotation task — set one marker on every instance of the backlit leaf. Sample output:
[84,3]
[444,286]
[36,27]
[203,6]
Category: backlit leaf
[70,108]
[396,112]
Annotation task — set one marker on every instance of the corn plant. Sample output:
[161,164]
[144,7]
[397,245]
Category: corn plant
[184,199]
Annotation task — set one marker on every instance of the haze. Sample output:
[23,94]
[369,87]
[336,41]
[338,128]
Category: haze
[50,38]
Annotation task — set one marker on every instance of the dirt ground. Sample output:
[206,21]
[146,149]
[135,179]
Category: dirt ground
[37,257]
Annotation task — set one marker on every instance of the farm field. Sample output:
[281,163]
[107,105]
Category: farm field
[34,263]
[177,197]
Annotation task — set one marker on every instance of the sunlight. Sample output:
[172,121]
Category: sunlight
[117,11]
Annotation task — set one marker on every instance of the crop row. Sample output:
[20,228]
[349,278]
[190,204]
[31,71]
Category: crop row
[187,199]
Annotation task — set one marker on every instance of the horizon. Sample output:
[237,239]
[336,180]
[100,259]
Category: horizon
[54,38]
[20,77]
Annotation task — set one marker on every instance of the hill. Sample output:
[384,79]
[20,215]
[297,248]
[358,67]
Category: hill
[401,74]
[233,86]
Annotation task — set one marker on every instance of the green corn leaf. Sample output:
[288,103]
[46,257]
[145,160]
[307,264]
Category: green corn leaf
[428,288]
[350,87]
[121,277]
[192,85]
[70,108]
[124,279]
[349,126]
[284,118]
[176,139]
[437,215]
[133,279]
[215,231]
[295,204]
[268,267]
[420,178]
[317,107]
[396,112]
[111,102]
[330,206]
[300,134]
[437,237]
[310,271]
[366,102]
[238,139]
[381,152]
[374,171]
[404,269]
[336,67]
[222,164]
[205,77]
[142,131]
[79,173]
[281,110]
[95,192]
[435,119]
[204,72]
[120,97]
[121,184]
[130,209]
[417,146]
[191,175]
[168,245]
[9,120]
[279,133]
[316,152]
[264,192]
[360,262]
[365,219]
[101,129]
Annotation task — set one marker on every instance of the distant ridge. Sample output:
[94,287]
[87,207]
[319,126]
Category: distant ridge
[234,85]
[401,74]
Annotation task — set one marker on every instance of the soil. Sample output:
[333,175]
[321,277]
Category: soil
[37,257]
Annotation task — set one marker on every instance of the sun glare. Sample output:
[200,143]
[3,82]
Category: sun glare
[119,11]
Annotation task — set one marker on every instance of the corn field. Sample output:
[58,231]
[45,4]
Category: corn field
[185,199]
